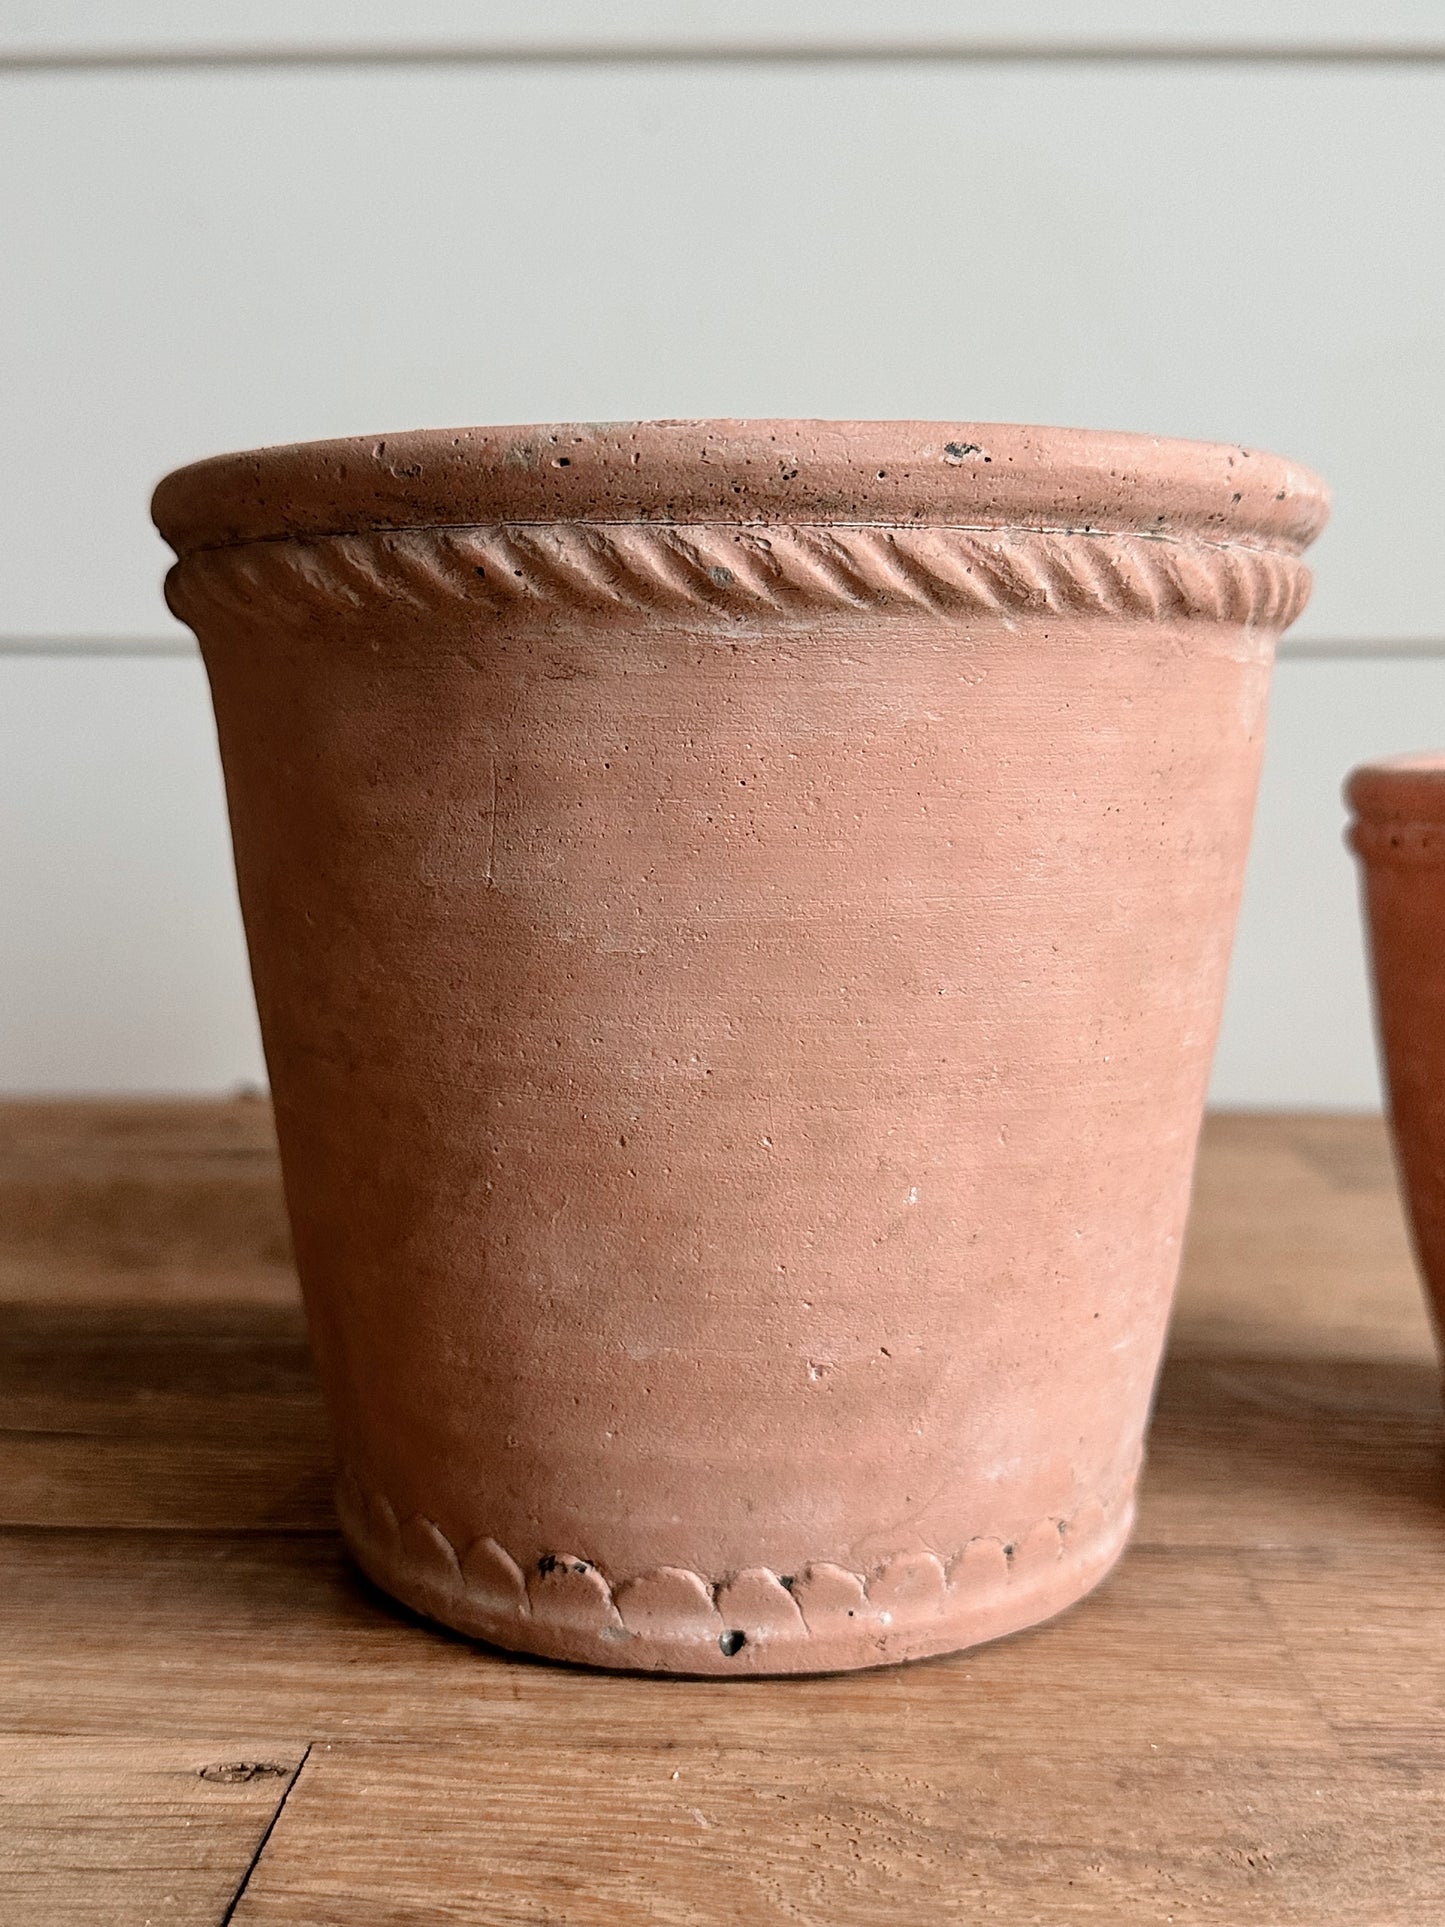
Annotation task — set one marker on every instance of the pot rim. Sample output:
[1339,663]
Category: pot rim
[1399,789]
[914,474]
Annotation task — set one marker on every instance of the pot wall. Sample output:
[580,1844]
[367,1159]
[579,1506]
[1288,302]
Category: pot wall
[739,995]
[1399,836]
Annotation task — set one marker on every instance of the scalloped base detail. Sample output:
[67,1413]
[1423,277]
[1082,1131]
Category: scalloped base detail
[825,1618]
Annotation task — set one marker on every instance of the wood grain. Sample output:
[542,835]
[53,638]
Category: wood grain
[1297,1244]
[197,1416]
[130,1832]
[121,1633]
[675,1833]
[136,1203]
[1245,1724]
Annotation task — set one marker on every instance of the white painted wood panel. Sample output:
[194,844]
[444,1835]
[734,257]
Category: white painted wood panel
[121,957]
[199,261]
[1298,1026]
[200,258]
[53,27]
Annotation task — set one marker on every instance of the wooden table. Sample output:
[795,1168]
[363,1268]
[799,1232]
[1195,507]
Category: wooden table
[206,1716]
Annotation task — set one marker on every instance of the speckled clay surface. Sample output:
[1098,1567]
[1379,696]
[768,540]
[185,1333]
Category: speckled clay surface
[1399,835]
[739,914]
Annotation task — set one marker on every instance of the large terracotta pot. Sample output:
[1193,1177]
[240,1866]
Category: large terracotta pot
[1399,835]
[739,913]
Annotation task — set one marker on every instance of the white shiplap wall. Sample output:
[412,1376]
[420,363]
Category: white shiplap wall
[206,252]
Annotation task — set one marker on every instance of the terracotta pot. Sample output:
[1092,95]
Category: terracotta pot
[1399,835]
[739,914]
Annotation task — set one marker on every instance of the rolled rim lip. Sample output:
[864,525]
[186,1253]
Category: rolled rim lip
[976,475]
[1400,789]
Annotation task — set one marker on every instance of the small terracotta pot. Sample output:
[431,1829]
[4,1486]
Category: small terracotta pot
[739,914]
[1399,835]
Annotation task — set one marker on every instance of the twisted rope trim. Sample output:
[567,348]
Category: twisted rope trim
[736,573]
[569,1594]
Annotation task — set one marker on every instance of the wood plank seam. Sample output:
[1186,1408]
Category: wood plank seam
[261,1844]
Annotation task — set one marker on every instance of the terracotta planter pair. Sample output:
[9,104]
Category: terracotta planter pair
[739,915]
[1399,835]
